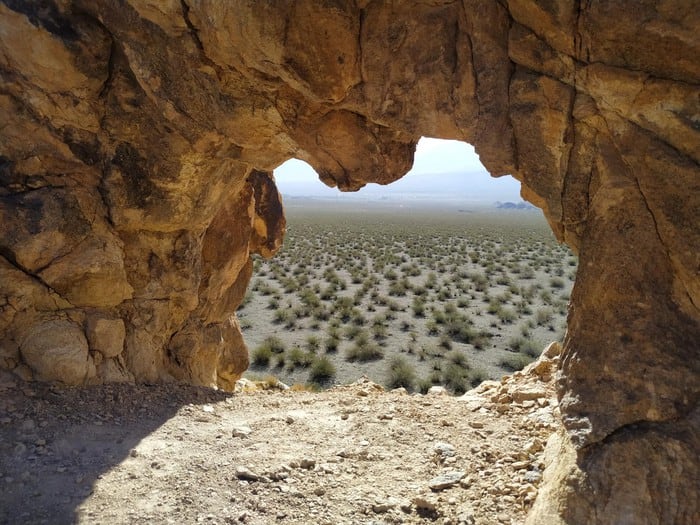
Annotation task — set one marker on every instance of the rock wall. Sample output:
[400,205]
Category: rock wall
[137,143]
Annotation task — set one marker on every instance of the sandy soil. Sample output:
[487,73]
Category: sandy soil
[352,455]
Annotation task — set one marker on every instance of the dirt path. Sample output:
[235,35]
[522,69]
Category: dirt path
[352,455]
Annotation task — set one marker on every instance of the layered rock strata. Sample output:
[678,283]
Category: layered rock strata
[137,143]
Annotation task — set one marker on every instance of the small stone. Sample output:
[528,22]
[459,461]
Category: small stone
[289,420]
[534,446]
[533,476]
[437,391]
[425,503]
[307,463]
[446,480]
[476,424]
[444,453]
[245,474]
[319,491]
[525,394]
[241,431]
[383,506]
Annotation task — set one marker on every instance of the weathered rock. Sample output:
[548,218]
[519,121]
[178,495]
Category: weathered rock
[146,184]
[446,480]
[106,336]
[57,351]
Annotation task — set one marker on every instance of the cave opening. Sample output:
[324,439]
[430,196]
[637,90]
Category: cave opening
[442,278]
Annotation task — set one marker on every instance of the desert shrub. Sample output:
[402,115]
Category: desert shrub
[480,340]
[458,358]
[262,355]
[424,385]
[379,331]
[432,328]
[494,307]
[456,378]
[285,316]
[273,344]
[331,344]
[546,297]
[398,288]
[353,331]
[503,280]
[320,313]
[556,282]
[515,362]
[532,348]
[298,358]
[322,369]
[273,303]
[527,273]
[313,343]
[543,315]
[445,341]
[358,318]
[364,350]
[400,373]
[444,294]
[515,344]
[393,307]
[506,315]
[477,376]
[481,282]
[439,316]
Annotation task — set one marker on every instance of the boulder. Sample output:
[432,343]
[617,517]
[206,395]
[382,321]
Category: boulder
[57,351]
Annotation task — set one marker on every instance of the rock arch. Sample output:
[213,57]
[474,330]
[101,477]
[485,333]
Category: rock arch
[138,139]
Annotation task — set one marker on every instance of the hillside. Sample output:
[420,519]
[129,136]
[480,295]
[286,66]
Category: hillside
[355,454]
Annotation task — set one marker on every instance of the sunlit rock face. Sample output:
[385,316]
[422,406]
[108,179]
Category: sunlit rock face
[137,143]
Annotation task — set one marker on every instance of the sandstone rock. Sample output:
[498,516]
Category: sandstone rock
[57,351]
[437,391]
[106,336]
[245,474]
[241,431]
[146,185]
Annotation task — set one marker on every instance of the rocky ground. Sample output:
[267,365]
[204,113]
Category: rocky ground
[351,455]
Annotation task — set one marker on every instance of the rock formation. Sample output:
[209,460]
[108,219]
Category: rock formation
[136,150]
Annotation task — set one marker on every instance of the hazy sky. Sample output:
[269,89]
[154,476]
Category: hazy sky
[441,168]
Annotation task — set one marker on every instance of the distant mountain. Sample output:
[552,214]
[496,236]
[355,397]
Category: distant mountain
[473,186]
[522,205]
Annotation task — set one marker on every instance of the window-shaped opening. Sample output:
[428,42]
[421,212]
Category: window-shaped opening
[442,278]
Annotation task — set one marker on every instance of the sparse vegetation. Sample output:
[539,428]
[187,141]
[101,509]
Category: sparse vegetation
[361,291]
[400,373]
